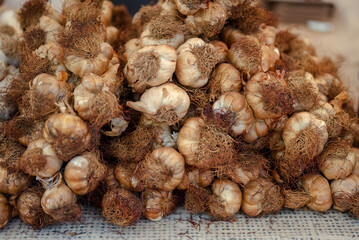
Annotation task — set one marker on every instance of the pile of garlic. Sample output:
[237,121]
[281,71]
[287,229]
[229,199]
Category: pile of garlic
[202,102]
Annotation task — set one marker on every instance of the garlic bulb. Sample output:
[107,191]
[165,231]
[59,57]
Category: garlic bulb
[328,84]
[318,188]
[40,159]
[131,47]
[304,89]
[60,202]
[121,207]
[268,96]
[162,30]
[195,176]
[162,169]
[68,134]
[51,51]
[245,54]
[111,34]
[157,204]
[165,104]
[270,55]
[230,35]
[164,137]
[266,34]
[228,199]
[124,173]
[204,146]
[144,15]
[196,60]
[93,101]
[106,12]
[5,211]
[345,194]
[7,109]
[51,28]
[337,160]
[235,104]
[190,7]
[169,8]
[261,197]
[81,66]
[221,50]
[296,199]
[225,78]
[325,111]
[258,129]
[208,22]
[150,66]
[118,126]
[13,183]
[84,172]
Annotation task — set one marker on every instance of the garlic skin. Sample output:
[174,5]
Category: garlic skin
[5,211]
[318,188]
[58,200]
[261,197]
[13,183]
[343,190]
[68,134]
[235,104]
[40,159]
[230,198]
[196,60]
[106,12]
[195,176]
[270,55]
[187,7]
[163,169]
[230,35]
[208,22]
[337,160]
[221,50]
[131,47]
[325,111]
[225,78]
[165,104]
[150,66]
[111,34]
[82,66]
[51,27]
[328,84]
[266,34]
[124,174]
[164,137]
[157,204]
[84,172]
[162,30]
[246,55]
[258,129]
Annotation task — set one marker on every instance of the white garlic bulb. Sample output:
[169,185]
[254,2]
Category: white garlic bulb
[225,78]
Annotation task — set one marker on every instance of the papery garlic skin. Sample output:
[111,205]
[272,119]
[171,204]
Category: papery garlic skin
[106,12]
[230,35]
[165,104]
[13,183]
[230,196]
[195,62]
[318,188]
[5,211]
[157,204]
[208,22]
[195,176]
[270,55]
[110,178]
[10,17]
[150,66]
[164,137]
[48,168]
[187,7]
[266,34]
[235,104]
[343,190]
[51,27]
[81,66]
[3,64]
[131,47]
[325,111]
[83,173]
[225,78]
[221,50]
[145,14]
[356,167]
[111,34]
[328,84]
[258,129]
[51,51]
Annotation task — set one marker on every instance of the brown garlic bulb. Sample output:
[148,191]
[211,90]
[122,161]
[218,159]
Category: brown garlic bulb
[40,159]
[162,169]
[345,194]
[111,34]
[60,202]
[356,167]
[106,12]
[235,104]
[124,173]
[84,172]
[5,211]
[165,104]
[150,66]
[190,7]
[81,66]
[196,60]
[337,160]
[221,50]
[68,134]
[266,34]
[195,176]
[121,207]
[157,204]
[270,55]
[208,22]
[225,78]
[230,35]
[268,95]
[162,30]
[261,197]
[13,183]
[258,129]
[318,188]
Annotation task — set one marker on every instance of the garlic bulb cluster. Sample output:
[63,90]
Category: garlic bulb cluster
[319,190]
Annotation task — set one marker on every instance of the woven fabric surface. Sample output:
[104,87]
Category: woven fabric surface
[287,224]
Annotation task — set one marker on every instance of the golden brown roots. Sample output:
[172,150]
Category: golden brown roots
[295,199]
[350,202]
[121,207]
[69,213]
[216,148]
[134,146]
[166,115]
[147,65]
[165,27]
[194,4]
[11,158]
[97,173]
[336,149]
[206,59]
[147,13]
[251,52]
[31,12]
[273,199]
[33,161]
[197,199]
[33,38]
